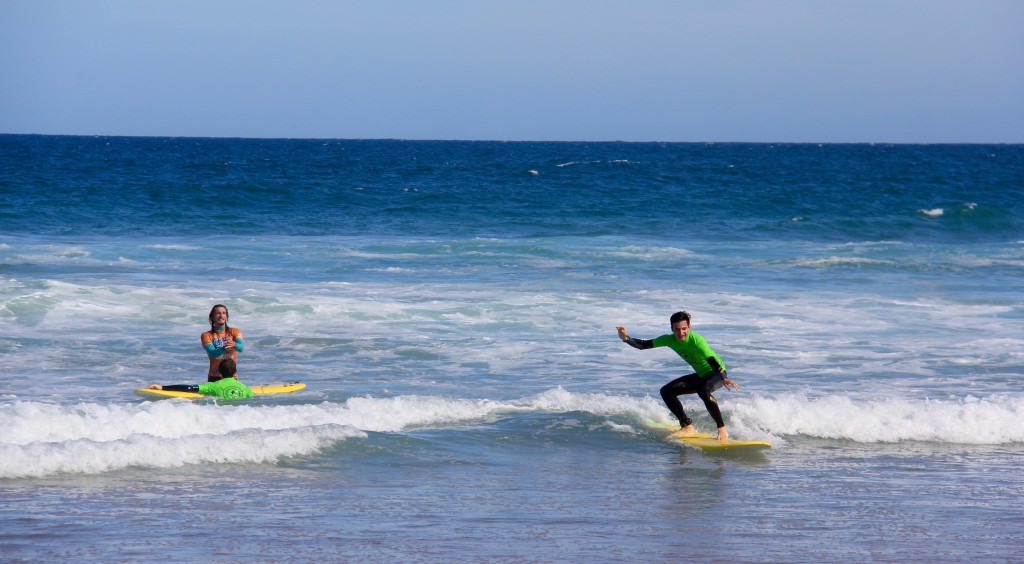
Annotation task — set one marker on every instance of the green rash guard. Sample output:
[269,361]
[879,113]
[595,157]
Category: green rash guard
[694,350]
[227,388]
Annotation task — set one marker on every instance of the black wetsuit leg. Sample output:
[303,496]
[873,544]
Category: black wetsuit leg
[680,386]
[711,384]
[693,384]
[182,388]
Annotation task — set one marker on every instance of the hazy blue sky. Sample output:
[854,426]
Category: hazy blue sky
[634,70]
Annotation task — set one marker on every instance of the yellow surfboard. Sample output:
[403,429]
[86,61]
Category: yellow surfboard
[705,441]
[267,389]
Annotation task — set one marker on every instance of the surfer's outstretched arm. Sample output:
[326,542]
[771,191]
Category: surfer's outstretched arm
[635,343]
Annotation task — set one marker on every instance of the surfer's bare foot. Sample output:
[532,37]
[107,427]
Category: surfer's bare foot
[156,387]
[723,435]
[685,432]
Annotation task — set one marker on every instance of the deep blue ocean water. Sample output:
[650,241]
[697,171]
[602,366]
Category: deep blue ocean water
[452,307]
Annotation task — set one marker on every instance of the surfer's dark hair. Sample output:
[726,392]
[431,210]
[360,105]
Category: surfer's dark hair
[227,368]
[213,309]
[679,316]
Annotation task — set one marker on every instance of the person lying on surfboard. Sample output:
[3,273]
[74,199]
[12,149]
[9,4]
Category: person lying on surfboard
[227,387]
[710,372]
[221,341]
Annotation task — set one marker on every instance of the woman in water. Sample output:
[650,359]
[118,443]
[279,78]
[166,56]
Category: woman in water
[221,342]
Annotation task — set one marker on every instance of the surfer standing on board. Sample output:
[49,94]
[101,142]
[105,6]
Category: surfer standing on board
[221,342]
[709,375]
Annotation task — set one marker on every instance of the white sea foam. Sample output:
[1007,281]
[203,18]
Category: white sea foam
[530,329]
[574,163]
[965,420]
[841,261]
[934,212]
[636,252]
[173,247]
[42,440]
[148,451]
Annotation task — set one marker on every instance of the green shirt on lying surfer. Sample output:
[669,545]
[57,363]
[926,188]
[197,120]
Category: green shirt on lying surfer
[227,387]
[709,375]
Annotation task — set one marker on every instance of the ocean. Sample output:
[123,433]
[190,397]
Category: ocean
[452,307]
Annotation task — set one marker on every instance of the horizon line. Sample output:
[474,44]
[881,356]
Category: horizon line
[441,140]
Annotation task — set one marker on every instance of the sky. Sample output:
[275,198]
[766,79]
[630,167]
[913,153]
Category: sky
[814,71]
